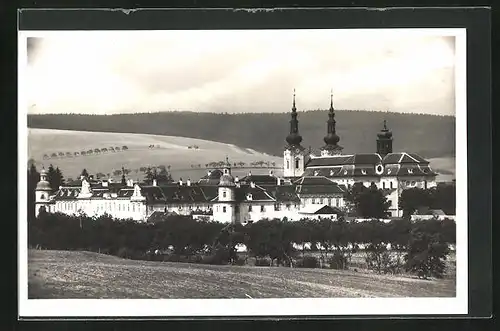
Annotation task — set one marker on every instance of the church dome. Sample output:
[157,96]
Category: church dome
[43,185]
[226,180]
[294,139]
[385,133]
[331,139]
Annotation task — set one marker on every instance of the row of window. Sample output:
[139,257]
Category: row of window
[297,164]
[325,201]
[67,206]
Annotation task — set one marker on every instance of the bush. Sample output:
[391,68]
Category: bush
[338,261]
[219,257]
[195,259]
[307,262]
[240,261]
[262,262]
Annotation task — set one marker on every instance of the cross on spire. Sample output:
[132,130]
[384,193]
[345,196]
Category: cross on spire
[331,99]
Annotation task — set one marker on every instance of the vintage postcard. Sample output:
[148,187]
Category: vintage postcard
[242,172]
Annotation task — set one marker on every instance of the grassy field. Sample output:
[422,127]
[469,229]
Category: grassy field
[62,274]
[173,151]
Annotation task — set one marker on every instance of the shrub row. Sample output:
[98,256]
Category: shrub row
[416,247]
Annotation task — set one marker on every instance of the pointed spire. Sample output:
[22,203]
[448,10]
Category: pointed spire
[384,141]
[331,100]
[331,139]
[294,138]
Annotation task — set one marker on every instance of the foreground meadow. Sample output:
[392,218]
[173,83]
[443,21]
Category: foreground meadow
[64,274]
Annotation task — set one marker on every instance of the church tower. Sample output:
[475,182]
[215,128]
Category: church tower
[42,193]
[384,141]
[331,139]
[225,210]
[294,154]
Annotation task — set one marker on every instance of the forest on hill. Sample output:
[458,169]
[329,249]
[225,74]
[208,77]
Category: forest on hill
[428,135]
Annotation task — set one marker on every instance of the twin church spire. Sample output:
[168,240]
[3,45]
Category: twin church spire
[331,147]
[294,138]
[331,139]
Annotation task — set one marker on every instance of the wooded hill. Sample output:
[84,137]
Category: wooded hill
[428,135]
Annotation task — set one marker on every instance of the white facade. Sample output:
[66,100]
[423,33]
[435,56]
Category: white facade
[293,162]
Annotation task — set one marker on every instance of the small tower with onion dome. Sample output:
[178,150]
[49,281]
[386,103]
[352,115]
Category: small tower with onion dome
[42,193]
[331,139]
[384,141]
[294,153]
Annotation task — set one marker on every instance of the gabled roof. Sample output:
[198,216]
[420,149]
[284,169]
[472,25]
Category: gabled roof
[258,193]
[320,210]
[211,179]
[403,158]
[282,193]
[317,185]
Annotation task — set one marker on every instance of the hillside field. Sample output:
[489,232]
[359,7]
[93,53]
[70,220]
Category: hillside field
[172,151]
[64,274]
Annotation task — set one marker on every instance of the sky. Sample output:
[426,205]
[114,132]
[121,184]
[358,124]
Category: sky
[239,71]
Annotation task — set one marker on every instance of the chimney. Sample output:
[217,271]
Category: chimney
[154,182]
[236,179]
[188,183]
[180,181]
[252,184]
[278,181]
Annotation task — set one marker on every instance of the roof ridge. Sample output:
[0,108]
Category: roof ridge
[413,158]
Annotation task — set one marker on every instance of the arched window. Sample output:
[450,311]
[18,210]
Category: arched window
[297,162]
[223,194]
[42,196]
[288,164]
[390,185]
[223,209]
[383,185]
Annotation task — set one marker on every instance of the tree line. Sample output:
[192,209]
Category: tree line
[94,151]
[428,135]
[395,247]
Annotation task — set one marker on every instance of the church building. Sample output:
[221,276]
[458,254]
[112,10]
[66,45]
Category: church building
[312,186]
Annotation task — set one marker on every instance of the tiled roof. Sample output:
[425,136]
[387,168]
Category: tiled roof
[328,161]
[314,180]
[282,193]
[258,193]
[320,210]
[401,158]
[317,185]
[211,179]
[184,194]
[355,159]
[67,193]
[260,179]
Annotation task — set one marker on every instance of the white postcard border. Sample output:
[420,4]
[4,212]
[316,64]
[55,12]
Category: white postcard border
[251,307]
